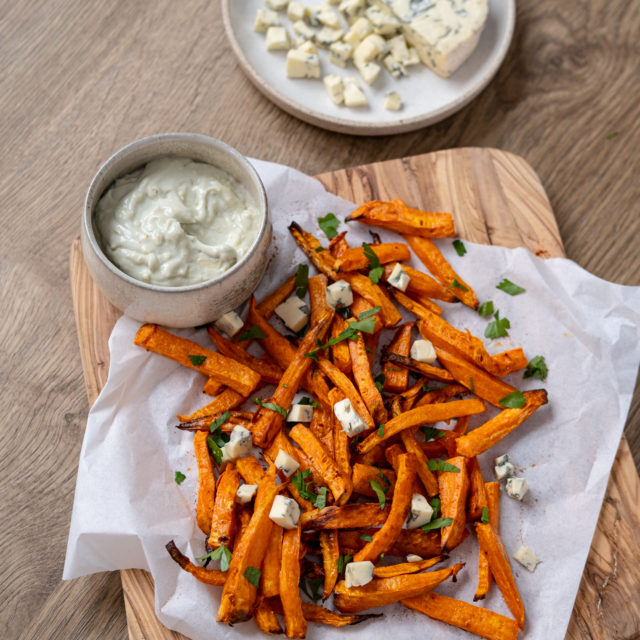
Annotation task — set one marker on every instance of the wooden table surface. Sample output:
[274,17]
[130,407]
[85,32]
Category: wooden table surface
[81,78]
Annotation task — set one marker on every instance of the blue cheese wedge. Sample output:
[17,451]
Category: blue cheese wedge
[396,68]
[296,11]
[516,488]
[359,30]
[300,413]
[293,311]
[352,9]
[369,71]
[277,39]
[265,18]
[339,53]
[423,351]
[245,493]
[230,323]
[420,512]
[527,558]
[339,294]
[327,36]
[239,444]
[383,21]
[286,464]
[357,574]
[353,94]
[302,65]
[398,278]
[351,422]
[334,87]
[285,512]
[372,47]
[503,467]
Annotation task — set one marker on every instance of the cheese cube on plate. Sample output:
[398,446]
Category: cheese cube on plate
[359,30]
[352,9]
[369,49]
[303,29]
[395,67]
[293,311]
[323,15]
[339,294]
[399,278]
[357,574]
[265,18]
[527,558]
[286,464]
[503,467]
[277,5]
[420,512]
[384,22]
[245,493]
[300,413]
[369,71]
[423,351]
[285,512]
[351,422]
[353,94]
[327,36]
[230,323]
[302,65]
[296,11]
[239,444]
[339,53]
[517,488]
[412,557]
[308,47]
[277,39]
[333,85]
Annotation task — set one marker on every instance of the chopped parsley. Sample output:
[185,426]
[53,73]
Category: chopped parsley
[252,574]
[432,433]
[350,333]
[366,537]
[196,361]
[320,501]
[536,368]
[486,308]
[375,268]
[457,285]
[459,247]
[510,287]
[375,485]
[485,515]
[379,381]
[219,421]
[307,401]
[440,465]
[514,400]
[329,224]
[438,523]
[435,505]
[215,450]
[311,587]
[221,553]
[368,313]
[472,387]
[253,333]
[497,328]
[302,280]
[343,561]
[179,477]
[271,405]
[381,430]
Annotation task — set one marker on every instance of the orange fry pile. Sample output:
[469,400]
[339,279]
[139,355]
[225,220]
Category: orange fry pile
[354,493]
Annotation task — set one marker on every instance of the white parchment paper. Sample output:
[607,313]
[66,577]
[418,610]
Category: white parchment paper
[127,505]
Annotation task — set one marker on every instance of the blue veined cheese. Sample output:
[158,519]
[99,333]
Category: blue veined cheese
[300,413]
[334,87]
[394,67]
[383,21]
[351,422]
[245,493]
[339,294]
[285,463]
[277,5]
[277,39]
[285,512]
[327,36]
[293,311]
[265,18]
[369,71]
[393,102]
[357,574]
[503,467]
[516,488]
[372,47]
[308,47]
[423,351]
[230,323]
[339,53]
[302,65]
[398,278]
[352,9]
[527,558]
[353,94]
[412,557]
[444,32]
[296,11]
[239,444]
[301,28]
[420,512]
[323,15]
[359,30]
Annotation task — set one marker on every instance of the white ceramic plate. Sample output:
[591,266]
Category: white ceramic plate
[427,97]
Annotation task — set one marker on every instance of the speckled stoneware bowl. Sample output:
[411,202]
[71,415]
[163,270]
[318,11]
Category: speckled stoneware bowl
[185,306]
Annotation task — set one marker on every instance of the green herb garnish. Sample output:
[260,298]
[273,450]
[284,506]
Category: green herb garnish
[312,584]
[438,523]
[366,537]
[471,385]
[221,553]
[459,247]
[440,465]
[219,421]
[485,515]
[381,430]
[510,287]
[515,400]
[329,224]
[432,433]
[486,308]
[375,485]
[271,405]
[343,561]
[302,280]
[320,501]
[215,450]
[179,477]
[252,333]
[196,361]
[457,285]
[252,574]
[375,268]
[497,328]
[379,381]
[368,313]
[307,401]
[536,368]
[435,505]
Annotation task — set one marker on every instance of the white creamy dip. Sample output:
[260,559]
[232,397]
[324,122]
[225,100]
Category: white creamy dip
[176,222]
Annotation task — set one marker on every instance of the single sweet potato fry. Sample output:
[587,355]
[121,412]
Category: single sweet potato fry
[360,305]
[355,259]
[338,245]
[363,473]
[330,547]
[250,470]
[427,477]
[437,264]
[316,613]
[321,259]
[509,361]
[348,516]
[454,487]
[493,547]
[409,541]
[403,491]
[226,370]
[492,491]
[223,516]
[423,309]
[270,578]
[424,369]
[239,595]
[322,427]
[383,591]
[486,435]
[482,622]
[265,617]
[477,495]
[397,216]
[317,297]
[483,384]
[243,517]
[396,379]
[374,294]
[225,401]
[341,452]
[321,460]
[207,486]
[422,415]
[340,351]
[242,418]
[294,620]
[441,395]
[208,576]
[421,285]
[405,568]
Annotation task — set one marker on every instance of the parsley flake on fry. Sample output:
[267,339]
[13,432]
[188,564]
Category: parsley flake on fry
[343,561]
[271,405]
[440,465]
[196,361]
[375,268]
[329,224]
[432,432]
[252,574]
[366,537]
[438,523]
[320,501]
[485,515]
[219,421]
[457,285]
[215,450]
[221,553]
[375,485]
[253,333]
[514,400]
[510,287]
[368,313]
[381,430]
[302,280]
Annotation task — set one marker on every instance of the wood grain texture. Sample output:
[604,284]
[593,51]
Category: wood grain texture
[474,183]
[81,78]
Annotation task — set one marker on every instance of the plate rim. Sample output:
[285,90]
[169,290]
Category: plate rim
[341,125]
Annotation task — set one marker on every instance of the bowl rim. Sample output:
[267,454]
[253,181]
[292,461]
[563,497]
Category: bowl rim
[149,141]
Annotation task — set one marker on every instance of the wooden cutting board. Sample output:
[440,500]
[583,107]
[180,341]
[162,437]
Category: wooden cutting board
[496,198]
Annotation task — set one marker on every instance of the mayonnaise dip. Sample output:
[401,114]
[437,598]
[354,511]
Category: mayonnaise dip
[176,222]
